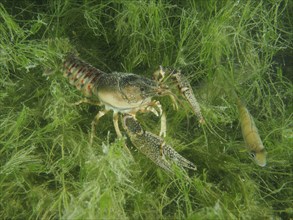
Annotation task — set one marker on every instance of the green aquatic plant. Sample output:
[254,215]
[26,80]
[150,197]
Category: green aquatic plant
[49,170]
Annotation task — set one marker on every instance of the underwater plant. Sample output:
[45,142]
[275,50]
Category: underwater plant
[49,169]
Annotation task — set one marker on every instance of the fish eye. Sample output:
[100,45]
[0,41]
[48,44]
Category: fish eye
[142,89]
[252,154]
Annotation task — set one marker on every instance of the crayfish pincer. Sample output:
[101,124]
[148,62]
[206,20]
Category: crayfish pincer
[153,146]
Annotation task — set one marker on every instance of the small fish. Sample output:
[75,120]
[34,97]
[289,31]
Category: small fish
[250,135]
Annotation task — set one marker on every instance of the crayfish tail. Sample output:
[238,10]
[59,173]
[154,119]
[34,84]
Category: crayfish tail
[81,74]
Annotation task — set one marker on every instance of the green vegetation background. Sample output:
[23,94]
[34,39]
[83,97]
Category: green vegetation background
[49,170]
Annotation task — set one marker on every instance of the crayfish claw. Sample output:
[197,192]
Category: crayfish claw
[186,90]
[153,146]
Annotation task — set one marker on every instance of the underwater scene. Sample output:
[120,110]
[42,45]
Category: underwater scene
[136,109]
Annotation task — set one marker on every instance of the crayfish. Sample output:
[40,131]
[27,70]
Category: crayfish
[126,94]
